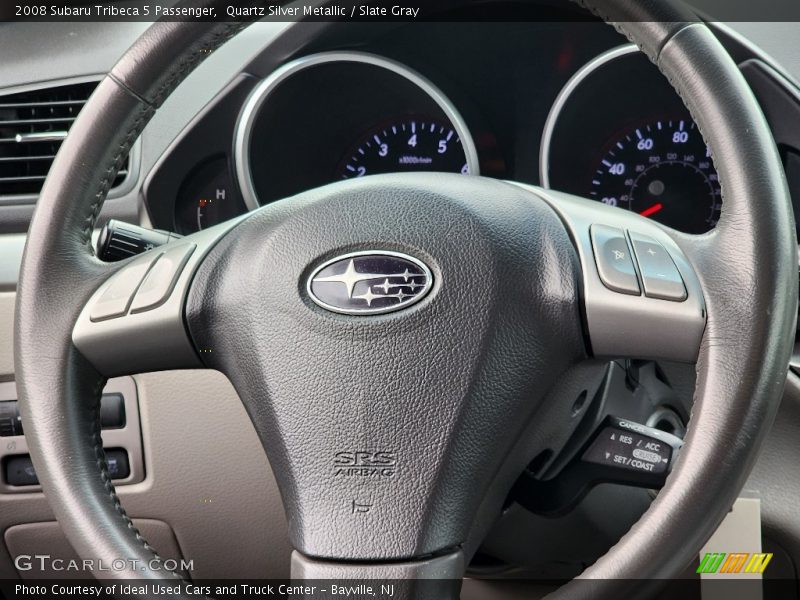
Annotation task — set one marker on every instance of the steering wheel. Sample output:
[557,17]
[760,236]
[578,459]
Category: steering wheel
[396,426]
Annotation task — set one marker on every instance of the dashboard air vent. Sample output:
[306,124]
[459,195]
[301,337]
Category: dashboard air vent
[32,126]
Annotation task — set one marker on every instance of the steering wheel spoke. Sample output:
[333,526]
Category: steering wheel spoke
[640,295]
[134,322]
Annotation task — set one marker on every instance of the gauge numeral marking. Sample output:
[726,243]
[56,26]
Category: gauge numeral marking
[662,170]
[408,145]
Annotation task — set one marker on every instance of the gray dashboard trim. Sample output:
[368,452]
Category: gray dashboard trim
[753,49]
[48,83]
[11,248]
[41,51]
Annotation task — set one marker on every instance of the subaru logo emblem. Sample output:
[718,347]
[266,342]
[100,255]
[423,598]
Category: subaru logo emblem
[369,283]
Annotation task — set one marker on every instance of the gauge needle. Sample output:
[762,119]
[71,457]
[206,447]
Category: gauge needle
[652,210]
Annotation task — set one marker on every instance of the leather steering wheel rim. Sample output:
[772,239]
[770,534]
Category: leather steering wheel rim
[747,268]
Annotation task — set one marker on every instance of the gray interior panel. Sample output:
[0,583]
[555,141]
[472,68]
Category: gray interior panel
[214,473]
[6,335]
[32,540]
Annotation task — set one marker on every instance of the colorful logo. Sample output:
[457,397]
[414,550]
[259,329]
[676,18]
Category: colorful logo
[735,562]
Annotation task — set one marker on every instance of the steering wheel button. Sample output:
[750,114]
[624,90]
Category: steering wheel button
[660,277]
[160,281]
[116,297]
[614,261]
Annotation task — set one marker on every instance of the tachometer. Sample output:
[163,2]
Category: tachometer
[410,144]
[662,170]
[335,115]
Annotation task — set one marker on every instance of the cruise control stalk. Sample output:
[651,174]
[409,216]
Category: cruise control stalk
[620,451]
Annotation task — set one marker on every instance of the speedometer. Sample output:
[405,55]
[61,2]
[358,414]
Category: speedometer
[411,144]
[662,170]
[618,133]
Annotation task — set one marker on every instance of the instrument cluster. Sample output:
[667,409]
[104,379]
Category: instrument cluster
[333,116]
[604,125]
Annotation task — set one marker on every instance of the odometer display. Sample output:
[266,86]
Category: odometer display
[661,170]
[410,144]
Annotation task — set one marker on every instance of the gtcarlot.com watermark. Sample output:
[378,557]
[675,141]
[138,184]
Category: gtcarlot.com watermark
[45,562]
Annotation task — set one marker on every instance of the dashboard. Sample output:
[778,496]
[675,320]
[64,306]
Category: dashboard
[547,105]
[584,114]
